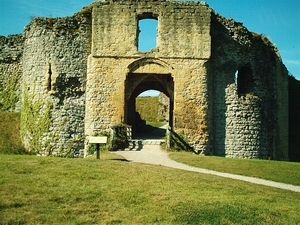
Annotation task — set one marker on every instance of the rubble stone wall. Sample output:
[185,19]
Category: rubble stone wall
[249,123]
[54,75]
[227,86]
[11,51]
[183,45]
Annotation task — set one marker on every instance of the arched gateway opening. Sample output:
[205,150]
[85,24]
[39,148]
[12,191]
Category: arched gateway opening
[146,75]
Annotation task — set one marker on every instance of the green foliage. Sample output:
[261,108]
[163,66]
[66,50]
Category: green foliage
[35,121]
[10,142]
[112,191]
[8,93]
[148,108]
[86,11]
[178,142]
[91,149]
[156,124]
[103,147]
[120,139]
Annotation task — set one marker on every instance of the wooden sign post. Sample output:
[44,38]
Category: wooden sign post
[97,140]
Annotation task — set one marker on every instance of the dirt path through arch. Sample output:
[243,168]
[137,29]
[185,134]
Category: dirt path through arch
[153,154]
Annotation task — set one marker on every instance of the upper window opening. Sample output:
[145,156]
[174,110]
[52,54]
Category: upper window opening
[147,33]
[244,80]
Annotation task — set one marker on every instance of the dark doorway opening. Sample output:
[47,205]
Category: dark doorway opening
[244,80]
[137,83]
[152,114]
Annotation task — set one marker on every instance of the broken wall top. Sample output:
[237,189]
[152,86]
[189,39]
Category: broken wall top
[183,28]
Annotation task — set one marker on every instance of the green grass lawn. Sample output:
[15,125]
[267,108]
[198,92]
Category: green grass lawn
[156,124]
[148,108]
[10,142]
[280,171]
[49,190]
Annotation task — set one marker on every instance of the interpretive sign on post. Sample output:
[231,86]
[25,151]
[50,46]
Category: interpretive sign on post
[97,140]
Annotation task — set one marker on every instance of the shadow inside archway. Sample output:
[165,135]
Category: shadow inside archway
[150,132]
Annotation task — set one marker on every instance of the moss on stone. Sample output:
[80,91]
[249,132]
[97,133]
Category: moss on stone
[8,93]
[10,142]
[35,121]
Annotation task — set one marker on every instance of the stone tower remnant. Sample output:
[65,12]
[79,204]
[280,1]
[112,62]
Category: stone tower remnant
[81,74]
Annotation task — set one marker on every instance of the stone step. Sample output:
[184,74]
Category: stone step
[137,145]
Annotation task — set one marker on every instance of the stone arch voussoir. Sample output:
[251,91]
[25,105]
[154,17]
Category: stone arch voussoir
[146,65]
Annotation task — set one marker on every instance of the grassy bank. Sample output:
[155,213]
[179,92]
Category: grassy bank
[10,142]
[280,171]
[148,108]
[48,190]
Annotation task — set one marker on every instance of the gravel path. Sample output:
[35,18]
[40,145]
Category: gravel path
[152,154]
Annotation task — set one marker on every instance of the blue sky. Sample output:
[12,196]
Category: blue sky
[277,19]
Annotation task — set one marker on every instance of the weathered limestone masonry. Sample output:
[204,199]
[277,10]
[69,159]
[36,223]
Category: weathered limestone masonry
[11,51]
[176,64]
[227,87]
[54,75]
[207,106]
[250,86]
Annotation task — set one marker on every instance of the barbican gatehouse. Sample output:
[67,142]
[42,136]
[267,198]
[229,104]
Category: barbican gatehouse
[80,75]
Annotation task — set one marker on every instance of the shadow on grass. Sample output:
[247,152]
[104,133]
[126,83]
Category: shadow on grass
[122,160]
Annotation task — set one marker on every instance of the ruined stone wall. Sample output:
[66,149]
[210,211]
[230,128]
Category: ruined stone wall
[251,123]
[183,28]
[164,106]
[227,86]
[54,73]
[294,119]
[183,45]
[191,104]
[11,51]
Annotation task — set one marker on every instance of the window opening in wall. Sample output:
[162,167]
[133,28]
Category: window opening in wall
[147,34]
[244,80]
[236,77]
[49,81]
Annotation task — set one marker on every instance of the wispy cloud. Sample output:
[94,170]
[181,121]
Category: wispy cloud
[52,8]
[292,61]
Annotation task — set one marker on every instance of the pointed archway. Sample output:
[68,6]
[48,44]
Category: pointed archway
[145,75]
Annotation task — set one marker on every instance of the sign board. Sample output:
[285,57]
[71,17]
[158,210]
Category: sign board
[97,140]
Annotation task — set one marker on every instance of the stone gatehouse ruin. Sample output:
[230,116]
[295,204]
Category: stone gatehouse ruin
[80,75]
